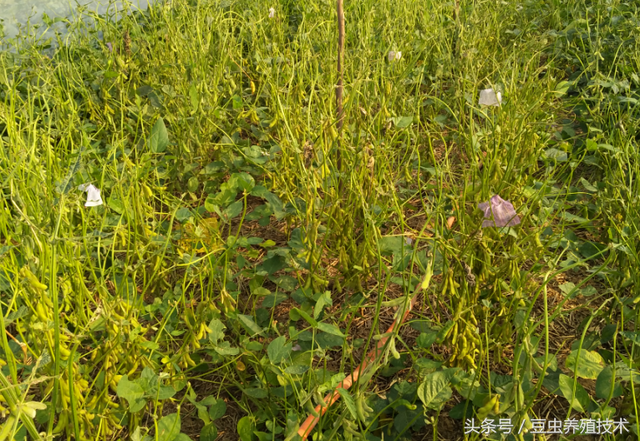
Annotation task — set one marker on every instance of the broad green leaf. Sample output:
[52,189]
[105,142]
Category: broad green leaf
[183,214]
[255,392]
[273,300]
[324,299]
[242,181]
[159,138]
[217,409]
[276,204]
[297,369]
[553,153]
[330,329]
[209,432]
[568,288]
[589,364]
[195,98]
[579,401]
[426,339]
[278,350]
[250,324]
[402,121]
[213,167]
[391,245]
[434,390]
[224,348]
[562,88]
[606,382]
[116,205]
[216,328]
[348,401]
[234,209]
[165,392]
[260,291]
[168,427]
[306,316]
[273,264]
[573,218]
[633,336]
[132,392]
[245,428]
[286,283]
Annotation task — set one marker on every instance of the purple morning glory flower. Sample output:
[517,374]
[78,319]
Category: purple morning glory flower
[504,215]
[110,46]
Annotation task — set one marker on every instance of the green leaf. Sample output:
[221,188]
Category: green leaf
[579,401]
[255,392]
[276,204]
[250,324]
[209,433]
[234,209]
[217,409]
[192,184]
[553,153]
[273,264]
[245,428]
[348,401]
[132,392]
[402,122]
[633,336]
[224,348]
[297,369]
[568,288]
[260,291]
[165,392]
[159,138]
[434,390]
[390,245]
[330,329]
[213,167]
[573,218]
[274,299]
[426,339]
[278,350]
[217,330]
[168,427]
[242,181]
[116,205]
[324,299]
[606,382]
[589,364]
[306,316]
[562,88]
[183,214]
[195,98]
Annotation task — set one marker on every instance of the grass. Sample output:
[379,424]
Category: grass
[237,271]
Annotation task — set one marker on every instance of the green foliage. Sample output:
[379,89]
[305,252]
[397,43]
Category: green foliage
[238,271]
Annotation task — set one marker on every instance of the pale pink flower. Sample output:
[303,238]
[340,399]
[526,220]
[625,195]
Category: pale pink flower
[499,212]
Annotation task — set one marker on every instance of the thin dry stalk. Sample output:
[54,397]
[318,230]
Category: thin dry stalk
[339,86]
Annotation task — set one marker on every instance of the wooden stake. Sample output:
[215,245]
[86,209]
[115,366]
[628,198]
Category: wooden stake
[339,86]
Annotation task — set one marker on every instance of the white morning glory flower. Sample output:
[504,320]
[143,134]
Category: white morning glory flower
[490,98]
[394,56]
[272,12]
[93,195]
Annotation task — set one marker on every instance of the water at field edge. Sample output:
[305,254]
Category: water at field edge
[14,14]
